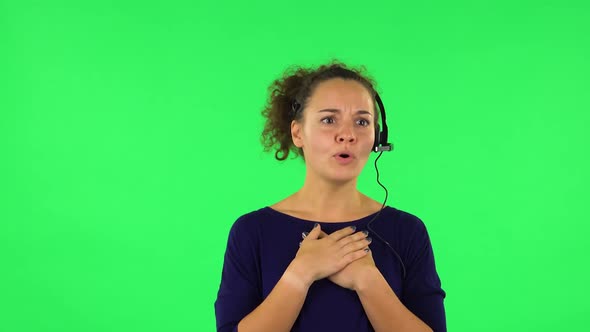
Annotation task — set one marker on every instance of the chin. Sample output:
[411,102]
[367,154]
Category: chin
[343,177]
[335,174]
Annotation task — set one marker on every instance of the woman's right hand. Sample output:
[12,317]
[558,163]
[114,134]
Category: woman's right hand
[321,255]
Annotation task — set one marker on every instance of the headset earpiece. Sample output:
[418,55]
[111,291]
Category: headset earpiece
[377,140]
[380,144]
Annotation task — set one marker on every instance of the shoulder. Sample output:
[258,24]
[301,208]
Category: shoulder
[401,228]
[256,221]
[402,219]
[249,221]
[392,217]
[245,230]
[262,230]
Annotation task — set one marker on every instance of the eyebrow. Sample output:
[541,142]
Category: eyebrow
[334,110]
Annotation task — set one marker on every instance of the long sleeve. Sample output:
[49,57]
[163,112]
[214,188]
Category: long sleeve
[261,244]
[240,288]
[422,292]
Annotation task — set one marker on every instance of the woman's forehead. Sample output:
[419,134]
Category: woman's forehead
[341,94]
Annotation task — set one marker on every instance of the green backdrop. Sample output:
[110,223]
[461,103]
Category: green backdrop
[129,144]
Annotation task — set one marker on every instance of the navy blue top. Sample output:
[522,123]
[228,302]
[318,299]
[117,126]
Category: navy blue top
[262,243]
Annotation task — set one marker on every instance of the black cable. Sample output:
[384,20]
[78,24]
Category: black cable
[375,217]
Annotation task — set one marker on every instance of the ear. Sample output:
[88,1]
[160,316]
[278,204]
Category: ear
[296,134]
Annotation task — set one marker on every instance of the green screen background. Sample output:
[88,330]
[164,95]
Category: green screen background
[129,139]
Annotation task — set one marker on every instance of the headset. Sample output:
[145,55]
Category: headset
[380,144]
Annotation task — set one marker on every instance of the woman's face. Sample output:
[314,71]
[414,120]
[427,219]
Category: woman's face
[337,121]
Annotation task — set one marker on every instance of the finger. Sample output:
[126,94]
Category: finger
[358,236]
[340,234]
[353,256]
[357,245]
[321,236]
[314,233]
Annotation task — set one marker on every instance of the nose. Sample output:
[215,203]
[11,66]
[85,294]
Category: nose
[346,135]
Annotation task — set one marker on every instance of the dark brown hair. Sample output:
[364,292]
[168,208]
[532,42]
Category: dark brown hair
[288,97]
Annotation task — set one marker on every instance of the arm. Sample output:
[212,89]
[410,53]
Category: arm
[316,259]
[383,307]
[239,301]
[281,307]
[420,305]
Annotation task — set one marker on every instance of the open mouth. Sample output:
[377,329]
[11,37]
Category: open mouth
[344,158]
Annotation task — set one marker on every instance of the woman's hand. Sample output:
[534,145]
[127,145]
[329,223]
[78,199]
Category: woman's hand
[321,255]
[352,275]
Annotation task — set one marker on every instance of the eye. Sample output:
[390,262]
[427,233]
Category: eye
[363,122]
[328,118]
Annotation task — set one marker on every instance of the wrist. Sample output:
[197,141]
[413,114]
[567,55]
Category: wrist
[297,275]
[366,278]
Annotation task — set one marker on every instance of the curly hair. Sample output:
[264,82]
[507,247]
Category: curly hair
[288,97]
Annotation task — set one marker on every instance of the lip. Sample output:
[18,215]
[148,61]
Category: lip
[350,154]
[342,160]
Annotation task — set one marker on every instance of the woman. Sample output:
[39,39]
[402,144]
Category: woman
[304,263]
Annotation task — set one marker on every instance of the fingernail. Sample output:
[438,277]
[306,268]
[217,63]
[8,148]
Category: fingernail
[300,244]
[304,234]
[369,239]
[353,228]
[316,225]
[366,232]
[367,249]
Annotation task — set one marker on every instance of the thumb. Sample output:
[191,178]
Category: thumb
[315,232]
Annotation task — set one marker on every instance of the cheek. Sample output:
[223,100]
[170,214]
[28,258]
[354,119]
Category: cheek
[318,139]
[321,142]
[368,137]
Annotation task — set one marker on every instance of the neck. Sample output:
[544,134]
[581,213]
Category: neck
[329,200]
